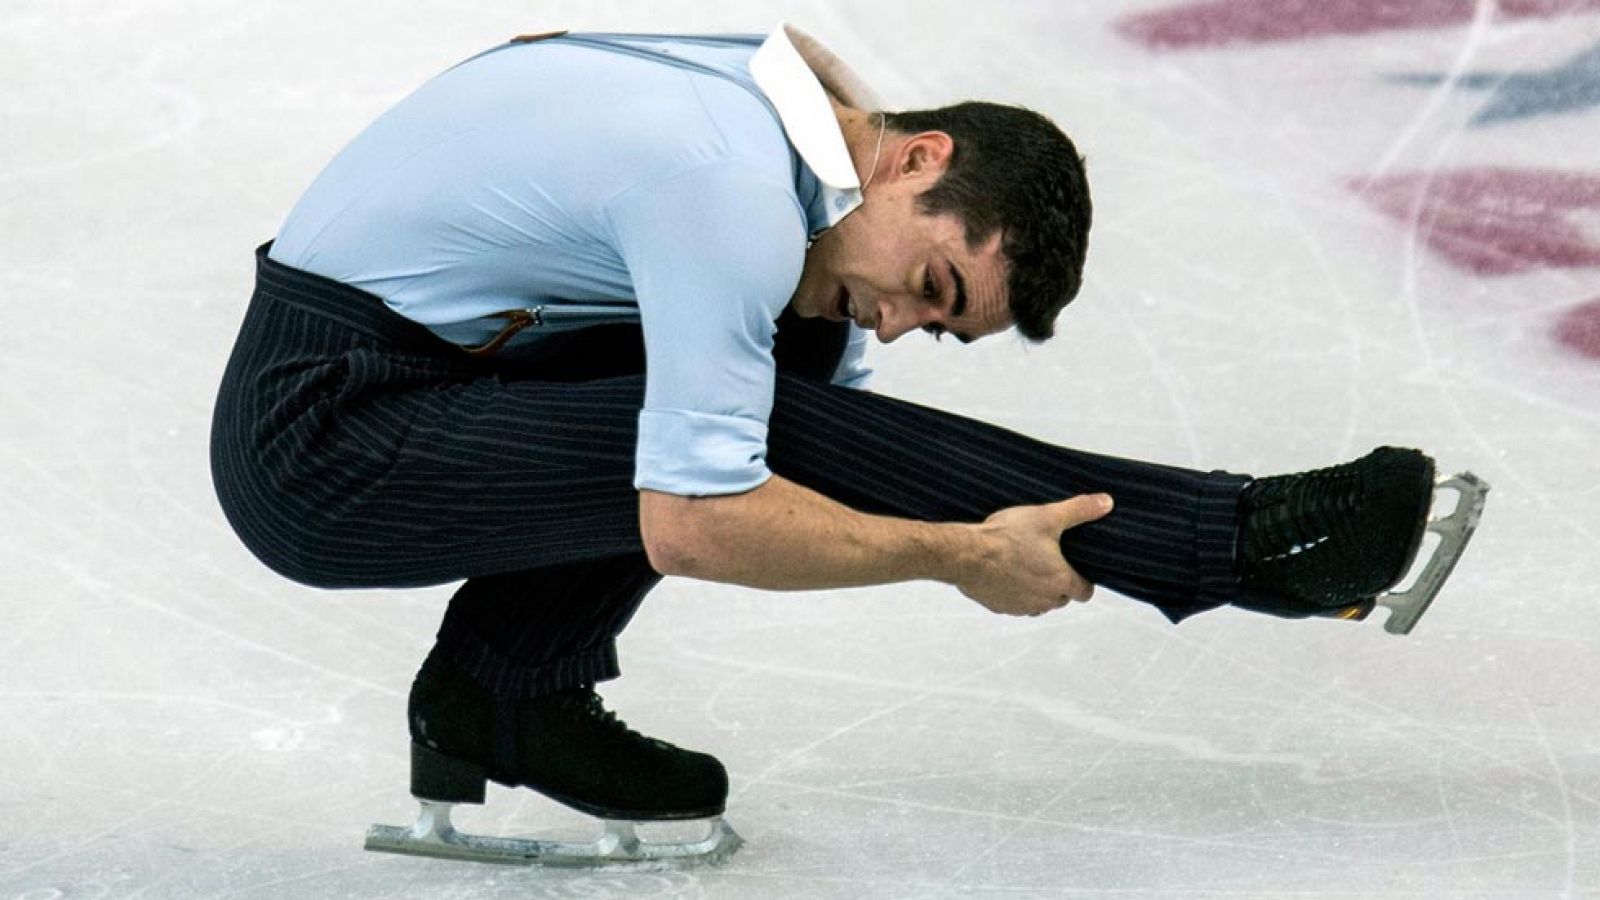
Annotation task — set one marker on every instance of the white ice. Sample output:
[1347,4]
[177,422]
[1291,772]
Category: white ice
[178,722]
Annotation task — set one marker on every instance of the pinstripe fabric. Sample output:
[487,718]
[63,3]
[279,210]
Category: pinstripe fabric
[529,633]
[1169,542]
[352,448]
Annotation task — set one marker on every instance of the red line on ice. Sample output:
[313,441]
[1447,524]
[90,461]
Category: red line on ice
[1493,221]
[1579,329]
[1216,23]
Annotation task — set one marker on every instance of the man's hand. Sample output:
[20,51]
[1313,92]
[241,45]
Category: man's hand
[1020,571]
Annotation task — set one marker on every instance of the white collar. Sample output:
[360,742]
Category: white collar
[794,70]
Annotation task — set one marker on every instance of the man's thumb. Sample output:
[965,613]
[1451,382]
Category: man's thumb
[1083,508]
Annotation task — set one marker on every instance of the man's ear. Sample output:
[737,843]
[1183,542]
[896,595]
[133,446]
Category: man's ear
[925,155]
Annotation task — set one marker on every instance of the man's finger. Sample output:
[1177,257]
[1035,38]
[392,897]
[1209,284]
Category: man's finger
[1083,508]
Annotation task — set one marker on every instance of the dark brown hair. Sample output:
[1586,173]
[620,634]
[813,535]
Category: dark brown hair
[1014,171]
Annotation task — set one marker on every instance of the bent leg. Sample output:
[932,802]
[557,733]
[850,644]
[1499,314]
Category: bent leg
[353,449]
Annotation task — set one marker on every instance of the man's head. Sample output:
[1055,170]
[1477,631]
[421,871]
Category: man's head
[976,218]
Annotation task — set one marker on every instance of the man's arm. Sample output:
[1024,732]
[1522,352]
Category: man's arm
[784,536]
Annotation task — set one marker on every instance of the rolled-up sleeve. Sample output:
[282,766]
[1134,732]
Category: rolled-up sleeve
[715,253]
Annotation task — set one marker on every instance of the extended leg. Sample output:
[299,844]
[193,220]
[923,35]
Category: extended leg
[1169,542]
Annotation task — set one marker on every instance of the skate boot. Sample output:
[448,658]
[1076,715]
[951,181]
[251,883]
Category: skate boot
[1333,541]
[566,746]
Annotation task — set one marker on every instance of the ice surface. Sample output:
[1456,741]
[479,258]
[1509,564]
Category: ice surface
[1310,241]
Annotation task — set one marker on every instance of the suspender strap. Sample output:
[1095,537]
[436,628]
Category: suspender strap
[516,321]
[538,36]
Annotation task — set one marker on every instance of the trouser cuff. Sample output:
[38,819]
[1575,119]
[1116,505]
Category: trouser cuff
[504,678]
[1216,541]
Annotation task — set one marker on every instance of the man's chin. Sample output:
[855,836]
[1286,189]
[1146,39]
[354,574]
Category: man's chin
[805,310]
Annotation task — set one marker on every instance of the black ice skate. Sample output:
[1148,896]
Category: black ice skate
[566,746]
[1336,542]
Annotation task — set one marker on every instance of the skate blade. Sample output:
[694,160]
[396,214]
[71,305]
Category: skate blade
[1406,607]
[618,847]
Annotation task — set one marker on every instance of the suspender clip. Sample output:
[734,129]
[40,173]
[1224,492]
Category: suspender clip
[516,321]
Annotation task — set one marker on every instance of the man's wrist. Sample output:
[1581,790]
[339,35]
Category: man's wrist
[954,549]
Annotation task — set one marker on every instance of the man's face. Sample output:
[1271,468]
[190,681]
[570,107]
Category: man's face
[892,269]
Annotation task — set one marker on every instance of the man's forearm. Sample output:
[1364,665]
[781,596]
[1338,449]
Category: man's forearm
[784,536]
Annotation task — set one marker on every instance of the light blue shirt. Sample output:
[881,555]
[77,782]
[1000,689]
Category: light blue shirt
[601,178]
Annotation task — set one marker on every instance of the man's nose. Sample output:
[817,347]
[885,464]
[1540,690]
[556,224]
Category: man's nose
[895,319]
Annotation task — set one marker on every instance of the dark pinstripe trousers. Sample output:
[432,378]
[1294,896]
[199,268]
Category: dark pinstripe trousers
[352,448]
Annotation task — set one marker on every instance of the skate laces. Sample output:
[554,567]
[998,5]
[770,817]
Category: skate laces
[588,704]
[1333,537]
[1289,515]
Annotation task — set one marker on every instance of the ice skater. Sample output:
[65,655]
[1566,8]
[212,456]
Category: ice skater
[590,309]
